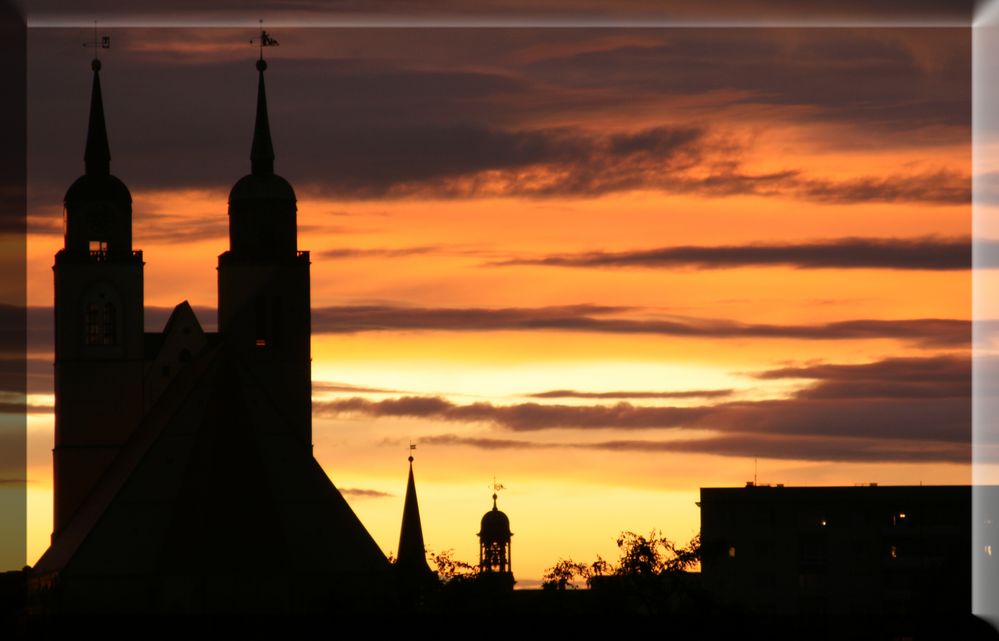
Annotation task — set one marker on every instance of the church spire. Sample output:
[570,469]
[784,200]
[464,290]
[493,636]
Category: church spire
[97,157]
[412,558]
[262,152]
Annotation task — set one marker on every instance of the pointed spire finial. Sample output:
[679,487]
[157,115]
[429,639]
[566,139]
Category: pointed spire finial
[262,151]
[97,154]
[412,558]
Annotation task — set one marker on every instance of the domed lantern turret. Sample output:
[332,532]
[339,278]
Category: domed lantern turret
[494,542]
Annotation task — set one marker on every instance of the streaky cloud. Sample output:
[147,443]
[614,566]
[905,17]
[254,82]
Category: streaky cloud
[332,386]
[921,332]
[911,417]
[925,332]
[926,253]
[361,493]
[834,450]
[565,393]
[931,377]
[932,419]
[397,252]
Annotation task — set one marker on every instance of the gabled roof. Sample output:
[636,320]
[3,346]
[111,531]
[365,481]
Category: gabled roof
[212,506]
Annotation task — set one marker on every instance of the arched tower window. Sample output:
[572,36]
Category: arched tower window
[110,332]
[100,324]
[93,323]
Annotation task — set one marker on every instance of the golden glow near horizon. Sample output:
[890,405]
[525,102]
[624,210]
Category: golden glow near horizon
[430,273]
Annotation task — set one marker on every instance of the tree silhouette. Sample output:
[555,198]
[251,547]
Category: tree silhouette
[562,575]
[641,556]
[450,569]
[655,555]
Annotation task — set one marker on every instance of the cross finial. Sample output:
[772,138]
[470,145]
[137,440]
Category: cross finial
[264,40]
[102,42]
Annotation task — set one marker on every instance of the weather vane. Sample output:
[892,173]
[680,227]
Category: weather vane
[497,486]
[104,42]
[412,448]
[264,40]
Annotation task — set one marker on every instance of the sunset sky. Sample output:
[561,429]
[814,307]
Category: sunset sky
[605,266]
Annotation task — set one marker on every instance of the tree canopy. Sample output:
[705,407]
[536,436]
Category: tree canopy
[640,556]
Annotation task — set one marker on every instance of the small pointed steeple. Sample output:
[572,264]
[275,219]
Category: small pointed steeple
[262,152]
[412,559]
[97,157]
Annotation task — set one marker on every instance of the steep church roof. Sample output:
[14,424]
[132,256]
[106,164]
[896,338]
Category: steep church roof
[213,506]
[412,559]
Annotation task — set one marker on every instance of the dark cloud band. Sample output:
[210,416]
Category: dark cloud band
[604,319]
[923,332]
[928,253]
[838,450]
[889,414]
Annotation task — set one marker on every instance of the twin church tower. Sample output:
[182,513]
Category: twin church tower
[183,469]
[109,372]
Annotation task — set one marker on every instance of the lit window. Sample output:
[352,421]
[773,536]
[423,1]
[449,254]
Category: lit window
[98,250]
[731,552]
[893,552]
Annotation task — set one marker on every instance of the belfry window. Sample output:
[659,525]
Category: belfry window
[100,324]
[98,249]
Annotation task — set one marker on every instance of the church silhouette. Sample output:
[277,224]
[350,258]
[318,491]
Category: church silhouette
[183,468]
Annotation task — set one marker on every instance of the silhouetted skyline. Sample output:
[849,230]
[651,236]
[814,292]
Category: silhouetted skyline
[608,266]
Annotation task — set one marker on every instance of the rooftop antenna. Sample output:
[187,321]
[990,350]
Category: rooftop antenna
[755,464]
[264,40]
[103,42]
